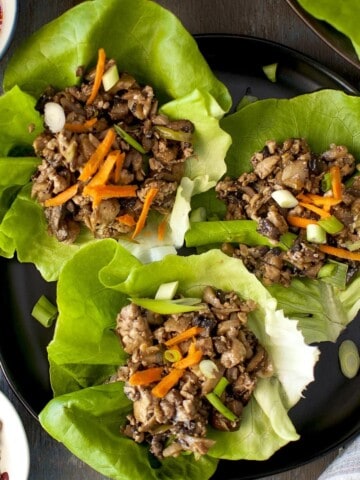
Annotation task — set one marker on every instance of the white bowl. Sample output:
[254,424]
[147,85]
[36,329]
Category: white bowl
[8,18]
[14,447]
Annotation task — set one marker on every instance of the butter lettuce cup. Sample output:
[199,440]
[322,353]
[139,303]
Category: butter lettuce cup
[90,352]
[287,205]
[96,59]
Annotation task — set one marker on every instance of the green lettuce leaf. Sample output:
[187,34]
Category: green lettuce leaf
[343,17]
[87,423]
[322,118]
[166,56]
[93,285]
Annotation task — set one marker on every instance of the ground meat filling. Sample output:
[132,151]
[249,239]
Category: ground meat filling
[177,420]
[165,144]
[291,166]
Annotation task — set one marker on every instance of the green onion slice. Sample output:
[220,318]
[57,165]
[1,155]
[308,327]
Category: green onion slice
[220,386]
[171,134]
[129,139]
[167,307]
[331,225]
[220,407]
[44,311]
[172,355]
[270,71]
[349,358]
[167,291]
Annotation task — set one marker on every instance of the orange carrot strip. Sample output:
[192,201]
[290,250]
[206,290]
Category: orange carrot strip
[145,210]
[319,200]
[98,156]
[336,185]
[62,197]
[185,335]
[99,72]
[340,252]
[167,382]
[300,222]
[103,174]
[81,127]
[103,192]
[320,211]
[144,377]
[193,358]
[118,166]
[126,219]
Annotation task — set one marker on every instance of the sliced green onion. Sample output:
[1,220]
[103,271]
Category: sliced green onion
[335,273]
[220,407]
[110,78]
[284,198]
[171,134]
[331,224]
[198,215]
[129,139]
[167,291]
[349,358]
[172,355]
[167,307]
[220,386]
[44,311]
[246,100]
[326,182]
[315,234]
[208,368]
[287,240]
[352,246]
[270,71]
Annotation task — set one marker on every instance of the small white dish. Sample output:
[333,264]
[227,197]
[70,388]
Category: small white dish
[14,447]
[8,17]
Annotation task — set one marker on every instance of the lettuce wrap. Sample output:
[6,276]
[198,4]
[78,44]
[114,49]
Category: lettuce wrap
[167,58]
[342,17]
[322,118]
[86,412]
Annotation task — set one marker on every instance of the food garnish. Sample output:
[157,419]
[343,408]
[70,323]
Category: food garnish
[349,358]
[293,191]
[188,370]
[108,156]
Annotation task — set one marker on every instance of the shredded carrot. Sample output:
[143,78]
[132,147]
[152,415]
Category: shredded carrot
[340,252]
[300,222]
[127,219]
[98,156]
[336,185]
[193,358]
[162,229]
[167,382]
[313,208]
[118,167]
[185,335]
[103,174]
[62,197]
[151,194]
[145,377]
[103,192]
[99,72]
[81,127]
[318,200]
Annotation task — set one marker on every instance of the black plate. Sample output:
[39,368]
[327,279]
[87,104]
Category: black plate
[329,415]
[332,37]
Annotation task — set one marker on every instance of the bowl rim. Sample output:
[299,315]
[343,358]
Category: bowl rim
[8,25]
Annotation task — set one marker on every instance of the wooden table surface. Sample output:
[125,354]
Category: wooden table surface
[269,19]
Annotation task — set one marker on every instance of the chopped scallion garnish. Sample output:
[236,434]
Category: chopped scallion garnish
[331,224]
[315,234]
[44,311]
[220,386]
[220,407]
[171,134]
[349,358]
[129,139]
[172,355]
